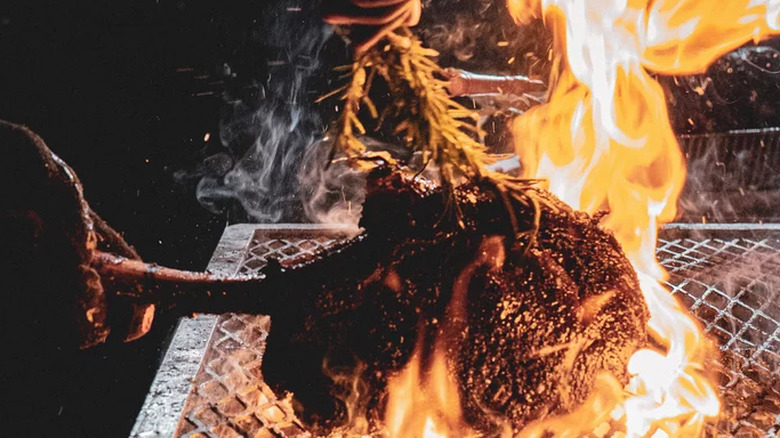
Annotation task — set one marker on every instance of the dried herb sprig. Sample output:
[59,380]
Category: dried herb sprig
[428,119]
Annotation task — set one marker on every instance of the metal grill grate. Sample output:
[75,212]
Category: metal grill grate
[228,397]
[727,276]
[728,284]
[282,247]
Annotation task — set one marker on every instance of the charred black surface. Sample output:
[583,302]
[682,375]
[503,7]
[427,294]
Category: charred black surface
[542,327]
[527,332]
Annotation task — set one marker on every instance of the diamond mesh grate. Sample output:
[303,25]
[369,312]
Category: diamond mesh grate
[729,285]
[727,278]
[729,281]
[282,246]
[228,397]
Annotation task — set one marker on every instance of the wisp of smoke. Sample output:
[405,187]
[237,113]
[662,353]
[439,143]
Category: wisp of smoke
[274,163]
[268,127]
[331,194]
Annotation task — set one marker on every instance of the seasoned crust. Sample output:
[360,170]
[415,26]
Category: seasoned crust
[537,329]
[553,319]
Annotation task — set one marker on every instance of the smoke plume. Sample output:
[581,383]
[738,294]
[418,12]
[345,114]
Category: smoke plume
[272,167]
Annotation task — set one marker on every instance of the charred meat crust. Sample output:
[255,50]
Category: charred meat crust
[537,329]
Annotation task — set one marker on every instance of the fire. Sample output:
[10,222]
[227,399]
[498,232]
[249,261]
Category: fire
[604,142]
[423,403]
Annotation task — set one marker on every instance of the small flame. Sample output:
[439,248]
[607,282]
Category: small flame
[424,401]
[604,142]
[423,404]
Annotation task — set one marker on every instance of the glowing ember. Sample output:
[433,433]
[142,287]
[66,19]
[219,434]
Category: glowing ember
[605,143]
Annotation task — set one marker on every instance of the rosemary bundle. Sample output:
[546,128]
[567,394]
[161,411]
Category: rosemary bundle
[427,118]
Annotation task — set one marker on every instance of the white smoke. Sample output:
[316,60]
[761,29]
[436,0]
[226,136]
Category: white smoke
[331,194]
[268,129]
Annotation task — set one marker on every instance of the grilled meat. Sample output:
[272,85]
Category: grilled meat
[528,322]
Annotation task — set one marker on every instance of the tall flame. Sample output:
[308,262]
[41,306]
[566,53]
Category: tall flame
[604,142]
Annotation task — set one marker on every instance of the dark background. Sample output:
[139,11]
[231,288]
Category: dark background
[125,92]
[131,95]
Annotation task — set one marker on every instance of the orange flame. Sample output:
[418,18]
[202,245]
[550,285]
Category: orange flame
[425,403]
[604,142]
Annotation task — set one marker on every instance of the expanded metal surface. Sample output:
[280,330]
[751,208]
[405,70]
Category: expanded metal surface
[727,277]
[729,280]
[228,397]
